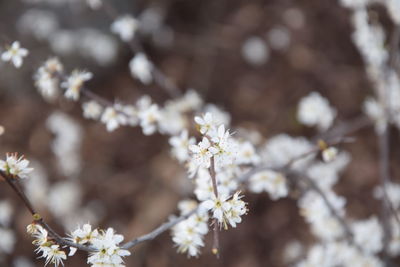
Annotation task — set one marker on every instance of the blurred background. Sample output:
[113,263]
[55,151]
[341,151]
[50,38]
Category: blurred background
[254,59]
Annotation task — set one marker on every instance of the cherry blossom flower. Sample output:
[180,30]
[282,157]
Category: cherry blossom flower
[47,79]
[74,83]
[108,250]
[53,255]
[180,145]
[15,53]
[141,68]
[269,181]
[329,154]
[92,110]
[314,110]
[113,118]
[201,153]
[149,119]
[14,166]
[83,236]
[205,123]
[125,26]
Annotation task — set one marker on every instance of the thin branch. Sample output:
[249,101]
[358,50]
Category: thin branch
[64,242]
[213,177]
[60,240]
[12,183]
[340,139]
[158,231]
[215,248]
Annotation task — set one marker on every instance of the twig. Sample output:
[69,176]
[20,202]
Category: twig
[357,124]
[215,248]
[61,241]
[159,230]
[64,242]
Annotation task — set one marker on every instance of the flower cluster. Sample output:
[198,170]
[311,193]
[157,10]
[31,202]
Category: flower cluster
[109,253]
[105,244]
[47,79]
[48,248]
[227,210]
[74,83]
[216,143]
[269,181]
[217,162]
[189,234]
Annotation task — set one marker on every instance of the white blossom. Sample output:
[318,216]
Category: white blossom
[369,39]
[108,251]
[188,235]
[370,243]
[53,255]
[218,206]
[15,53]
[394,243]
[92,110]
[201,154]
[74,83]
[223,148]
[180,145]
[246,154]
[314,110]
[126,27]
[141,68]
[83,236]
[224,210]
[47,79]
[113,118]
[206,123]
[17,167]
[149,118]
[132,114]
[66,144]
[329,154]
[281,149]
[313,207]
[269,181]
[375,111]
[187,205]
[392,191]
